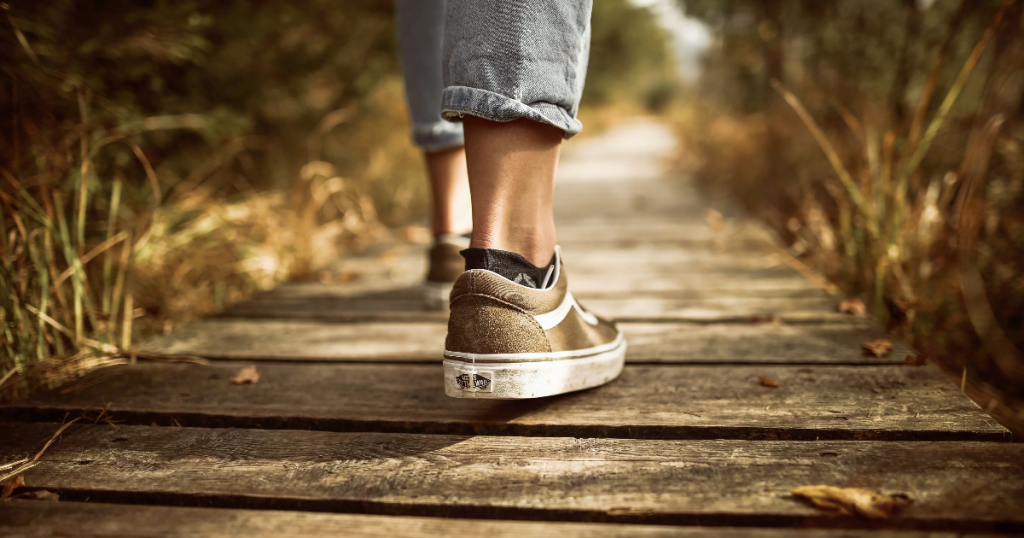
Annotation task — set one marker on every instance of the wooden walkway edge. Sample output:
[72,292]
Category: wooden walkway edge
[348,431]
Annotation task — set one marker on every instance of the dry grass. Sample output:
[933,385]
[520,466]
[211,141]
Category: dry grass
[88,272]
[923,224]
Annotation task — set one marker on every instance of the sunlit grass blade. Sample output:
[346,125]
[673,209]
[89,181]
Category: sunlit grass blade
[830,152]
[38,255]
[115,204]
[76,288]
[947,104]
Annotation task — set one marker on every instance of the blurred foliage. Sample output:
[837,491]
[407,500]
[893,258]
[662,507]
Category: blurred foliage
[889,155]
[629,58]
[160,159]
[165,158]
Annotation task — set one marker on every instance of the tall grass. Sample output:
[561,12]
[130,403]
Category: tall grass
[90,263]
[920,218]
[52,306]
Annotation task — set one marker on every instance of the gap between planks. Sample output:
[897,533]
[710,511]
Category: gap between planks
[93,520]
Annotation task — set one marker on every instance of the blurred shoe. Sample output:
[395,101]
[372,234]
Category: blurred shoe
[510,340]
[446,266]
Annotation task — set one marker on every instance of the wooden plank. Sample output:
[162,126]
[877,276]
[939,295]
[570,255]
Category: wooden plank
[719,482]
[740,282]
[407,305]
[76,519]
[271,339]
[659,229]
[716,309]
[653,402]
[594,259]
[757,343]
[666,196]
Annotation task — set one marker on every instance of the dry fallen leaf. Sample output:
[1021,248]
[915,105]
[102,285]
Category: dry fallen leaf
[246,375]
[915,360]
[764,318]
[768,382]
[878,348]
[853,501]
[852,306]
[416,234]
[714,219]
[39,495]
[13,484]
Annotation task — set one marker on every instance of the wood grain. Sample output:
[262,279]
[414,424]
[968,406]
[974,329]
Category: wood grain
[609,480]
[653,402]
[418,341]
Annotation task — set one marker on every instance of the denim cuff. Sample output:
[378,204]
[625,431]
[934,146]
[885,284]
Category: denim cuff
[458,101]
[438,136]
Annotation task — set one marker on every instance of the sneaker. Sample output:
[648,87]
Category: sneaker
[509,341]
[446,266]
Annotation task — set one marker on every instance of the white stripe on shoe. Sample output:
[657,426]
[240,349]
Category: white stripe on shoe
[551,319]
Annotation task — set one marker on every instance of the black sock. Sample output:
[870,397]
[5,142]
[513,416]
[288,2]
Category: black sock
[509,265]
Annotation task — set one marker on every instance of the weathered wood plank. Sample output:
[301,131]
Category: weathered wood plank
[716,309]
[615,480]
[739,282]
[646,259]
[658,229]
[76,519]
[342,303]
[666,196]
[653,402]
[757,343]
[635,308]
[259,339]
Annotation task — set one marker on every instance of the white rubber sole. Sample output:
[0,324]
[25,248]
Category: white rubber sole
[531,375]
[436,295]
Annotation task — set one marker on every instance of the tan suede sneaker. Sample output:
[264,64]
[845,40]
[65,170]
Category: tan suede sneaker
[509,341]
[446,266]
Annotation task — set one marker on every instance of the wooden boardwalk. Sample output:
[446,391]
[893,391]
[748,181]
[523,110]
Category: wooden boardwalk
[348,431]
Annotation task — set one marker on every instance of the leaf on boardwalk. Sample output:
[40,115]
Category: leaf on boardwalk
[13,484]
[415,234]
[40,495]
[764,318]
[246,375]
[878,348]
[714,219]
[341,277]
[915,360]
[768,382]
[853,501]
[852,306]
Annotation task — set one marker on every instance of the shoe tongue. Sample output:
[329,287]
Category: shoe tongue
[509,265]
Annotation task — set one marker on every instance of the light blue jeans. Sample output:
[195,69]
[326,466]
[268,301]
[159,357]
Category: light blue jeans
[499,60]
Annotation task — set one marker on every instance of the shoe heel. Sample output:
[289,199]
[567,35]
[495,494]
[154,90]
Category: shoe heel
[436,295]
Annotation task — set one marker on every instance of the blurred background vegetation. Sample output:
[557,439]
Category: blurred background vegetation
[160,159]
[884,141]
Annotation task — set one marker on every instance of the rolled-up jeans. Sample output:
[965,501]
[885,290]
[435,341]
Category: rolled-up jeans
[499,60]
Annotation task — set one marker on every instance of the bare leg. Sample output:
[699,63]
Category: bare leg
[449,189]
[512,180]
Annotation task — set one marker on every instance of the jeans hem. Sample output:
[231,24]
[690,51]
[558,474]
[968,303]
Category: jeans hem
[440,136]
[458,101]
